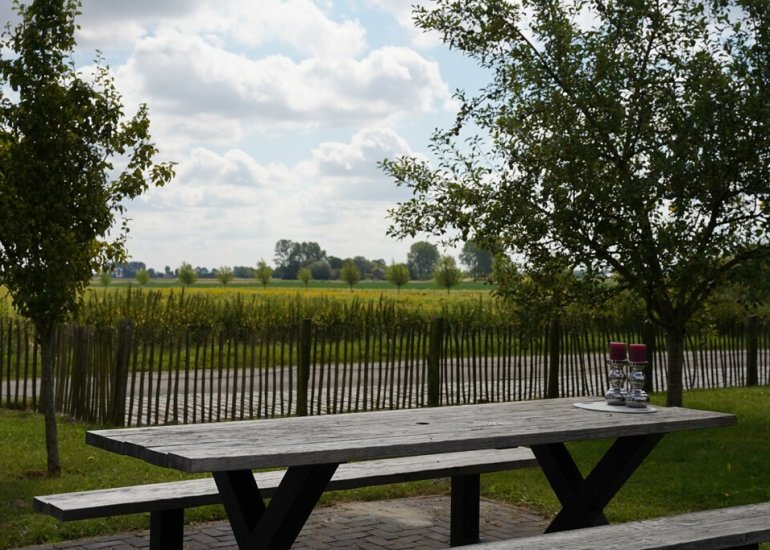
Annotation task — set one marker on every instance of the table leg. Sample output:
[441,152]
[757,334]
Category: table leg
[583,500]
[277,525]
[464,515]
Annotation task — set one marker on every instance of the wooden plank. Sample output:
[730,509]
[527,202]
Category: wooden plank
[200,492]
[383,434]
[707,530]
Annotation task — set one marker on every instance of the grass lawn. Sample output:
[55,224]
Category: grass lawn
[687,471]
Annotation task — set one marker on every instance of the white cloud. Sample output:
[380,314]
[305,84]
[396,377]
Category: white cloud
[337,197]
[299,24]
[277,112]
[118,23]
[204,92]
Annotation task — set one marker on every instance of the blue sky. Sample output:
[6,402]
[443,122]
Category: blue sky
[276,112]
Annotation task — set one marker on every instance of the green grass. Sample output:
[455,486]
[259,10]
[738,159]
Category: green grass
[24,476]
[687,471]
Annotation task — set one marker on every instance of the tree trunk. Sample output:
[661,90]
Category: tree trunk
[48,406]
[675,356]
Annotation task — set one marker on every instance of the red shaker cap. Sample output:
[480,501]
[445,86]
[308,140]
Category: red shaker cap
[617,351]
[637,353]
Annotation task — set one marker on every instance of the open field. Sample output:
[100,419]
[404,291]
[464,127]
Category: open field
[283,284]
[210,353]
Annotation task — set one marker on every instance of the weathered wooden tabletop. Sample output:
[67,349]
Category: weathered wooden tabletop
[347,437]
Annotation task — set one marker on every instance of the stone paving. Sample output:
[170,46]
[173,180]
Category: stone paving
[402,524]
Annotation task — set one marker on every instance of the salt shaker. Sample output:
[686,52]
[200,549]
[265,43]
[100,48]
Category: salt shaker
[615,374]
[637,361]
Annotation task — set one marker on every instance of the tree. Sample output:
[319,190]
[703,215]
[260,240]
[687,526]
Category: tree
[186,274]
[305,275]
[479,261]
[105,278]
[290,256]
[335,264]
[378,268]
[446,273]
[142,277]
[243,272]
[364,266]
[60,133]
[225,275]
[620,137]
[263,273]
[421,260]
[398,274]
[349,273]
[321,270]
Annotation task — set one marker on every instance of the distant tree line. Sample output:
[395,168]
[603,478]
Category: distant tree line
[307,261]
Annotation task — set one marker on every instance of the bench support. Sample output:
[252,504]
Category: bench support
[583,500]
[277,525]
[464,517]
[167,529]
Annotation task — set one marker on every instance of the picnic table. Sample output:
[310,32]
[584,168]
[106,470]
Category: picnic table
[311,448]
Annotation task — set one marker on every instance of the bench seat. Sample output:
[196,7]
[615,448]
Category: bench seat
[739,527]
[166,501]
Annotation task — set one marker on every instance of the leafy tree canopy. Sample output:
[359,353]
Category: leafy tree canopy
[225,275]
[263,273]
[350,273]
[142,277]
[186,274]
[69,161]
[60,135]
[478,260]
[305,275]
[398,274]
[446,274]
[290,256]
[629,137]
[421,260]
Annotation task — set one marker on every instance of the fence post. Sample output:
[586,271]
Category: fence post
[303,368]
[752,350]
[120,378]
[434,361]
[554,349]
[648,338]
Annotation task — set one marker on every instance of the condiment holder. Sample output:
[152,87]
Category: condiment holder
[622,369]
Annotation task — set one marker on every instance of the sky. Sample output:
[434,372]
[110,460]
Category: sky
[276,113]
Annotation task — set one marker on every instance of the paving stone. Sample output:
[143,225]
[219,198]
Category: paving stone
[402,524]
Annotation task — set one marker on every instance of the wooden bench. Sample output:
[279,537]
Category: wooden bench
[739,528]
[166,501]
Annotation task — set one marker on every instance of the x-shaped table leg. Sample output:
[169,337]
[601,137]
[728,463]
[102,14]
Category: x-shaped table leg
[583,500]
[277,525]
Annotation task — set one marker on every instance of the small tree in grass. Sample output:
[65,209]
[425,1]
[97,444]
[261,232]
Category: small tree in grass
[446,273]
[142,277]
[305,275]
[225,275]
[263,273]
[398,274]
[105,278]
[350,274]
[186,274]
[60,194]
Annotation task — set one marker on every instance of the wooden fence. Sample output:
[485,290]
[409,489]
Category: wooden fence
[147,375]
